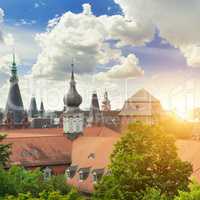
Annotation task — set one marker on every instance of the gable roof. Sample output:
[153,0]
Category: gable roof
[142,95]
[142,103]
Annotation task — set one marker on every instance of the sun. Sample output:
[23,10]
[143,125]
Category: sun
[183,108]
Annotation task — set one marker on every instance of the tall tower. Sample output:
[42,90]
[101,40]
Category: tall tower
[42,111]
[14,105]
[73,119]
[106,103]
[33,111]
[95,117]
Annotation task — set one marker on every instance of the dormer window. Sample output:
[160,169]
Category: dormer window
[94,177]
[81,176]
[84,173]
[91,156]
[97,175]
[47,173]
[71,171]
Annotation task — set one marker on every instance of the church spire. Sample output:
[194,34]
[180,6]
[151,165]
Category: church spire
[14,106]
[13,70]
[95,118]
[106,102]
[42,109]
[72,74]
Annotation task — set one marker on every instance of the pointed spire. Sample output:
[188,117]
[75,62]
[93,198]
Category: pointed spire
[42,109]
[95,117]
[33,111]
[13,69]
[72,73]
[14,63]
[14,104]
[106,102]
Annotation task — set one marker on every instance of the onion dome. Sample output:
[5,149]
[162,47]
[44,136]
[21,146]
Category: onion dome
[72,98]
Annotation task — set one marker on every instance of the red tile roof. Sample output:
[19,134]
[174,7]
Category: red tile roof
[38,147]
[39,150]
[100,131]
[188,150]
[14,133]
[93,152]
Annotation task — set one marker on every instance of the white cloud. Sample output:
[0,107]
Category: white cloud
[128,68]
[87,39]
[36,5]
[5,38]
[23,22]
[176,20]
[1,21]
[1,15]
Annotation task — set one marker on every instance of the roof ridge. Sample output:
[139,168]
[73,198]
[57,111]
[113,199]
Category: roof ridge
[33,137]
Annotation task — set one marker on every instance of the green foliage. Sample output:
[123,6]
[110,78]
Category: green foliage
[4,151]
[145,157]
[31,184]
[153,194]
[193,194]
[56,183]
[73,195]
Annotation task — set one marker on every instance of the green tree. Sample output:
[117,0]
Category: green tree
[19,180]
[4,151]
[193,194]
[57,183]
[145,157]
[55,195]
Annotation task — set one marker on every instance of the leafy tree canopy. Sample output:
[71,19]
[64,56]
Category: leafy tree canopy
[145,157]
[4,151]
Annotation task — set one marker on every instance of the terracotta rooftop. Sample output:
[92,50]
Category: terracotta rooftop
[15,133]
[40,151]
[100,131]
[48,146]
[188,150]
[95,154]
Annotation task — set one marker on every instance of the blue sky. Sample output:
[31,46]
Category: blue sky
[44,10]
[161,62]
[36,15]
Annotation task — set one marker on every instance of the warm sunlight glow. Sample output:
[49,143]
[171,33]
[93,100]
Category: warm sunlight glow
[183,106]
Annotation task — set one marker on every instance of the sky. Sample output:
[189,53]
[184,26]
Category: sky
[117,45]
